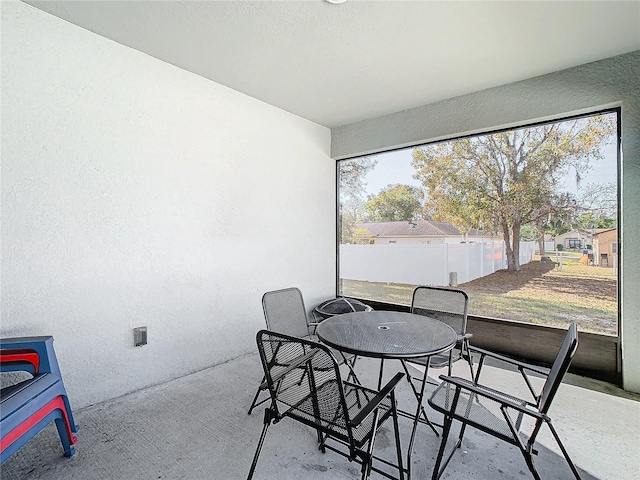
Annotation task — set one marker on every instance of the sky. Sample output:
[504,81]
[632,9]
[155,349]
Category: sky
[395,167]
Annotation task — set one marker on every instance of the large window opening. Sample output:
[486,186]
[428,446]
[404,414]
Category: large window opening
[524,220]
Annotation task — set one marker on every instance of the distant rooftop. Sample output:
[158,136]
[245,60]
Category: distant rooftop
[415,228]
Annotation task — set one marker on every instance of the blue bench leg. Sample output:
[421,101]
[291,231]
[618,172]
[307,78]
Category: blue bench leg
[61,425]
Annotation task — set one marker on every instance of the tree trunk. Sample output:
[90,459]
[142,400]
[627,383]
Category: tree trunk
[541,246]
[512,246]
[515,239]
[540,228]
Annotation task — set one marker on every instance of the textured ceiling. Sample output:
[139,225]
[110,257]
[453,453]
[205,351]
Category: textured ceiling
[338,64]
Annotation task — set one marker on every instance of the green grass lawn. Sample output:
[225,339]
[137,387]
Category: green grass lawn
[541,293]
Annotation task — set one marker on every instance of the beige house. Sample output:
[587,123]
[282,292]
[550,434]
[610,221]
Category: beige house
[605,247]
[577,239]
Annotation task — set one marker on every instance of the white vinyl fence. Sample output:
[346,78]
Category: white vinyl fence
[426,264]
[549,246]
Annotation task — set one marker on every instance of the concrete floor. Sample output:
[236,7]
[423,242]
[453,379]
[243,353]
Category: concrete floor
[197,427]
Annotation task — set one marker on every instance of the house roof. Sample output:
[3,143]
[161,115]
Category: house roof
[414,228]
[603,230]
[585,231]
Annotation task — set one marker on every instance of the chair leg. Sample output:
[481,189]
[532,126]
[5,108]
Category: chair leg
[459,442]
[321,439]
[450,368]
[470,362]
[255,399]
[366,468]
[66,437]
[564,452]
[351,377]
[253,403]
[268,416]
[479,369]
[367,457]
[394,414]
[420,398]
[528,457]
[413,387]
[446,428]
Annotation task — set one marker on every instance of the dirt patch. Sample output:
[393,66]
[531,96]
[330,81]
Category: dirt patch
[502,281]
[543,292]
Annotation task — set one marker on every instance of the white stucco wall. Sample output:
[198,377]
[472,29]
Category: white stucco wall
[586,88]
[135,193]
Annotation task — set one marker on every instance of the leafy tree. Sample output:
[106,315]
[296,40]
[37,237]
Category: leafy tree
[606,222]
[347,228]
[362,236]
[591,220]
[351,176]
[354,207]
[601,199]
[555,215]
[529,233]
[394,203]
[502,181]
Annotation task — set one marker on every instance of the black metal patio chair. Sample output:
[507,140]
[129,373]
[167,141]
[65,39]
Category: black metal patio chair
[449,306]
[285,312]
[304,382]
[498,413]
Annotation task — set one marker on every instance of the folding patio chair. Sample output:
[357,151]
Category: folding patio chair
[493,411]
[449,306]
[285,312]
[304,382]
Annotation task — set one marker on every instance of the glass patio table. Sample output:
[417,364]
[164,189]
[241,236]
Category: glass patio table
[390,336]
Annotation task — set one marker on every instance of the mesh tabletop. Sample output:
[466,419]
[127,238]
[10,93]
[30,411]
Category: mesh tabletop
[382,334]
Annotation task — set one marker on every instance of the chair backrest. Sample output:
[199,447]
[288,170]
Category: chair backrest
[284,312]
[445,304]
[559,368]
[305,376]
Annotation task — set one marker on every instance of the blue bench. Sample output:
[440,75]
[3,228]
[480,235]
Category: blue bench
[30,405]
